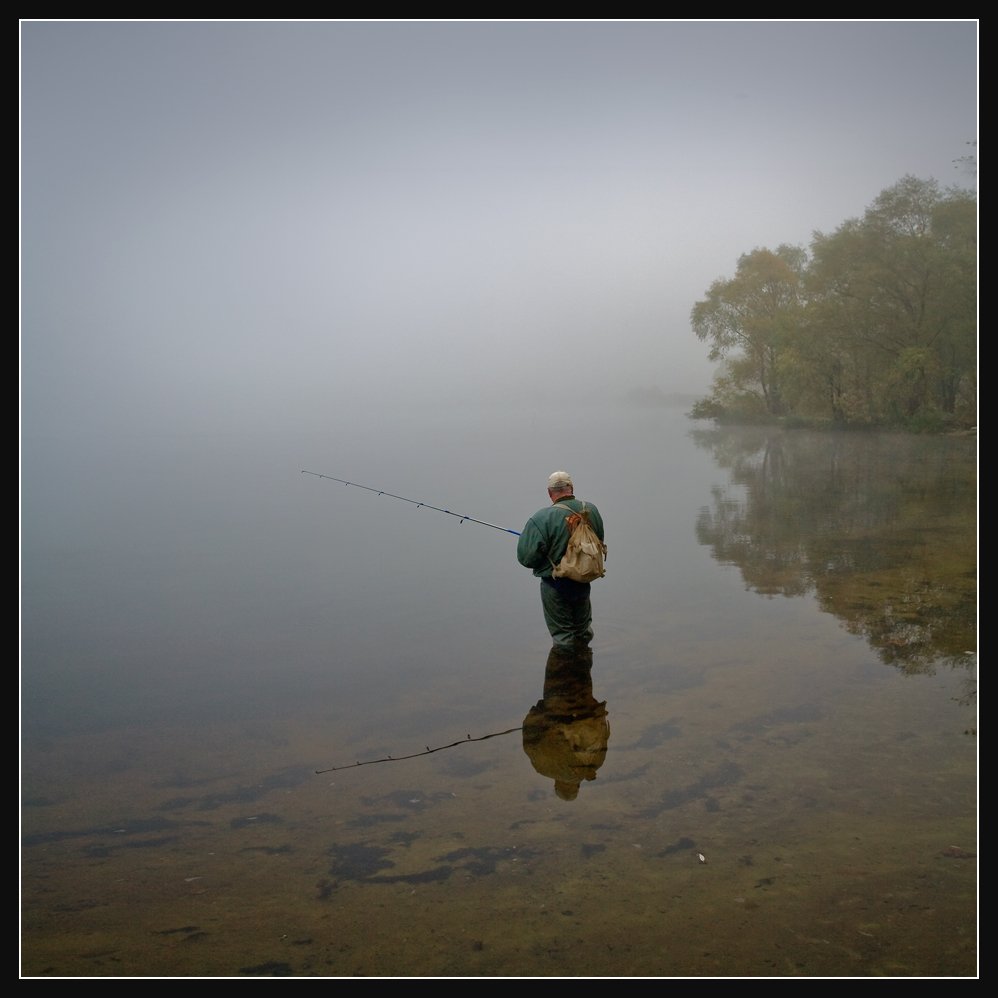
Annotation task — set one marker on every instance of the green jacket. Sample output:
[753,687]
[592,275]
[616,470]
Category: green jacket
[545,537]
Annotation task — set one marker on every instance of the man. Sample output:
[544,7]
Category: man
[566,604]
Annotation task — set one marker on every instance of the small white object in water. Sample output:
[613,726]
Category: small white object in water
[701,857]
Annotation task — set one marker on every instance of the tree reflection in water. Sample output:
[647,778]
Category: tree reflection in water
[881,528]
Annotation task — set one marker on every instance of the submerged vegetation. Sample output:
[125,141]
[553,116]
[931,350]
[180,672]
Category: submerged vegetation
[874,326]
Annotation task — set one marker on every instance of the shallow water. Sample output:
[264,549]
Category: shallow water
[784,656]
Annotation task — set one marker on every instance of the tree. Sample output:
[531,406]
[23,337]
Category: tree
[876,325]
[755,312]
[896,291]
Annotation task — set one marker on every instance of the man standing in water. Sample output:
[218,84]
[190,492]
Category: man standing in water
[566,603]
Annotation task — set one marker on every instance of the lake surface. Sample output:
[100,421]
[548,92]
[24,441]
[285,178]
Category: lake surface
[274,725]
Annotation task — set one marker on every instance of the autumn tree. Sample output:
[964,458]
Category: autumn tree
[876,325]
[749,320]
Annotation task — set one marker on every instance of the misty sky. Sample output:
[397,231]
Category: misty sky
[234,224]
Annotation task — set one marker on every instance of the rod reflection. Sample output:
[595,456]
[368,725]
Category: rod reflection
[565,734]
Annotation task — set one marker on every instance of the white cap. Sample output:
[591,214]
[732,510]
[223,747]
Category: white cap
[560,480]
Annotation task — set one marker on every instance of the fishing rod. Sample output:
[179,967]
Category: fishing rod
[417,504]
[416,755]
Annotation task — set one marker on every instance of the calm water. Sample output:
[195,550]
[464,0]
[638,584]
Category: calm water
[775,738]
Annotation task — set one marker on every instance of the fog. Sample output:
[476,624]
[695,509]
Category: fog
[249,248]
[236,226]
[442,259]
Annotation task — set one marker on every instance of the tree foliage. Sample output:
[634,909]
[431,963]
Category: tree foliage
[876,325]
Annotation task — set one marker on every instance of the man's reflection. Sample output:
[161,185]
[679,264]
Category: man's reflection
[565,735]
